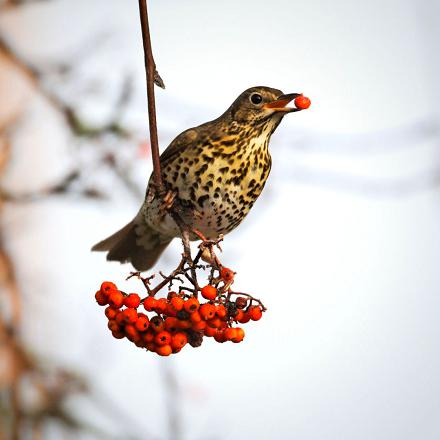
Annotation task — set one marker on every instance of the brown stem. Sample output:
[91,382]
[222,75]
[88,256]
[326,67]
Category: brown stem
[150,70]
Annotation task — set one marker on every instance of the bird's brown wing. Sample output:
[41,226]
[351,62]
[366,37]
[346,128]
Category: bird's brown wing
[191,138]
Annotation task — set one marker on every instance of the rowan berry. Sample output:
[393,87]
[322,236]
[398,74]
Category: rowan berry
[161,305]
[255,313]
[164,350]
[191,305]
[170,310]
[101,298]
[130,316]
[116,299]
[119,334]
[131,333]
[157,324]
[163,338]
[207,311]
[113,326]
[239,315]
[184,324]
[171,324]
[241,302]
[107,286]
[195,317]
[239,335]
[220,311]
[209,292]
[230,333]
[244,318]
[177,303]
[220,336]
[111,313]
[142,323]
[151,346]
[149,303]
[120,317]
[198,325]
[148,336]
[210,331]
[302,102]
[171,295]
[132,301]
[227,275]
[214,322]
[178,340]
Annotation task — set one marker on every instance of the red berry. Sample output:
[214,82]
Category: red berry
[221,311]
[118,334]
[111,313]
[157,324]
[101,298]
[130,316]
[230,333]
[209,292]
[170,310]
[151,346]
[171,324]
[161,305]
[148,336]
[195,317]
[142,323]
[113,326]
[132,301]
[220,336]
[191,305]
[177,303]
[163,338]
[149,303]
[107,286]
[178,340]
[239,335]
[227,275]
[214,322]
[131,333]
[201,325]
[302,102]
[244,318]
[239,315]
[164,350]
[255,313]
[184,324]
[116,299]
[207,311]
[210,331]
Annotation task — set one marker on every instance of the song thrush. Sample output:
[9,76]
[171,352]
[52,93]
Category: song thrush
[216,171]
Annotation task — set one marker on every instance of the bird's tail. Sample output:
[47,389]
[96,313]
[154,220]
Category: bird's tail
[136,243]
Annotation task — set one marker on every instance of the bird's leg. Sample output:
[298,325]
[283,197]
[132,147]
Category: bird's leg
[207,249]
[167,202]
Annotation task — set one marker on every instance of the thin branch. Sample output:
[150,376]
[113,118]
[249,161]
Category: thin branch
[151,73]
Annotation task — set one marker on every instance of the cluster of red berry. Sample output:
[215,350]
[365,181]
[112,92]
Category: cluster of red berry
[179,318]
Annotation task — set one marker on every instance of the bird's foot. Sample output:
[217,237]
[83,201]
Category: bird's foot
[206,247]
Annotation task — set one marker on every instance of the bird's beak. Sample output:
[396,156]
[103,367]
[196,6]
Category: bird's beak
[280,104]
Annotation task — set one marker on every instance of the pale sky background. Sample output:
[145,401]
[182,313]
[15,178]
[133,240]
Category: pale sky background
[343,247]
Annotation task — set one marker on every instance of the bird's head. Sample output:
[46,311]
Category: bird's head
[259,105]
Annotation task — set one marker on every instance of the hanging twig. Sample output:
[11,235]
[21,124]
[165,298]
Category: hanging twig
[152,78]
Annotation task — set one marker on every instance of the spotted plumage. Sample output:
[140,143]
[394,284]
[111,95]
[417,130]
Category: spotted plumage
[216,172]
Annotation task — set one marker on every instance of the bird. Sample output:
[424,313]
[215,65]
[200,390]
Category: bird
[215,171]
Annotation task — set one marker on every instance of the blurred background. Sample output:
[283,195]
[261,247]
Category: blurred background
[343,246]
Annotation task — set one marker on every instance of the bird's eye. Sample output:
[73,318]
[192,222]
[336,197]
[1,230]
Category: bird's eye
[256,98]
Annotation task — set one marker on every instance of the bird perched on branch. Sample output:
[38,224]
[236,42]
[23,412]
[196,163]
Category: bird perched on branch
[215,172]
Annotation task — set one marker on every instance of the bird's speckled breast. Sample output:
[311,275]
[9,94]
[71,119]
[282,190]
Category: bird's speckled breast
[220,180]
